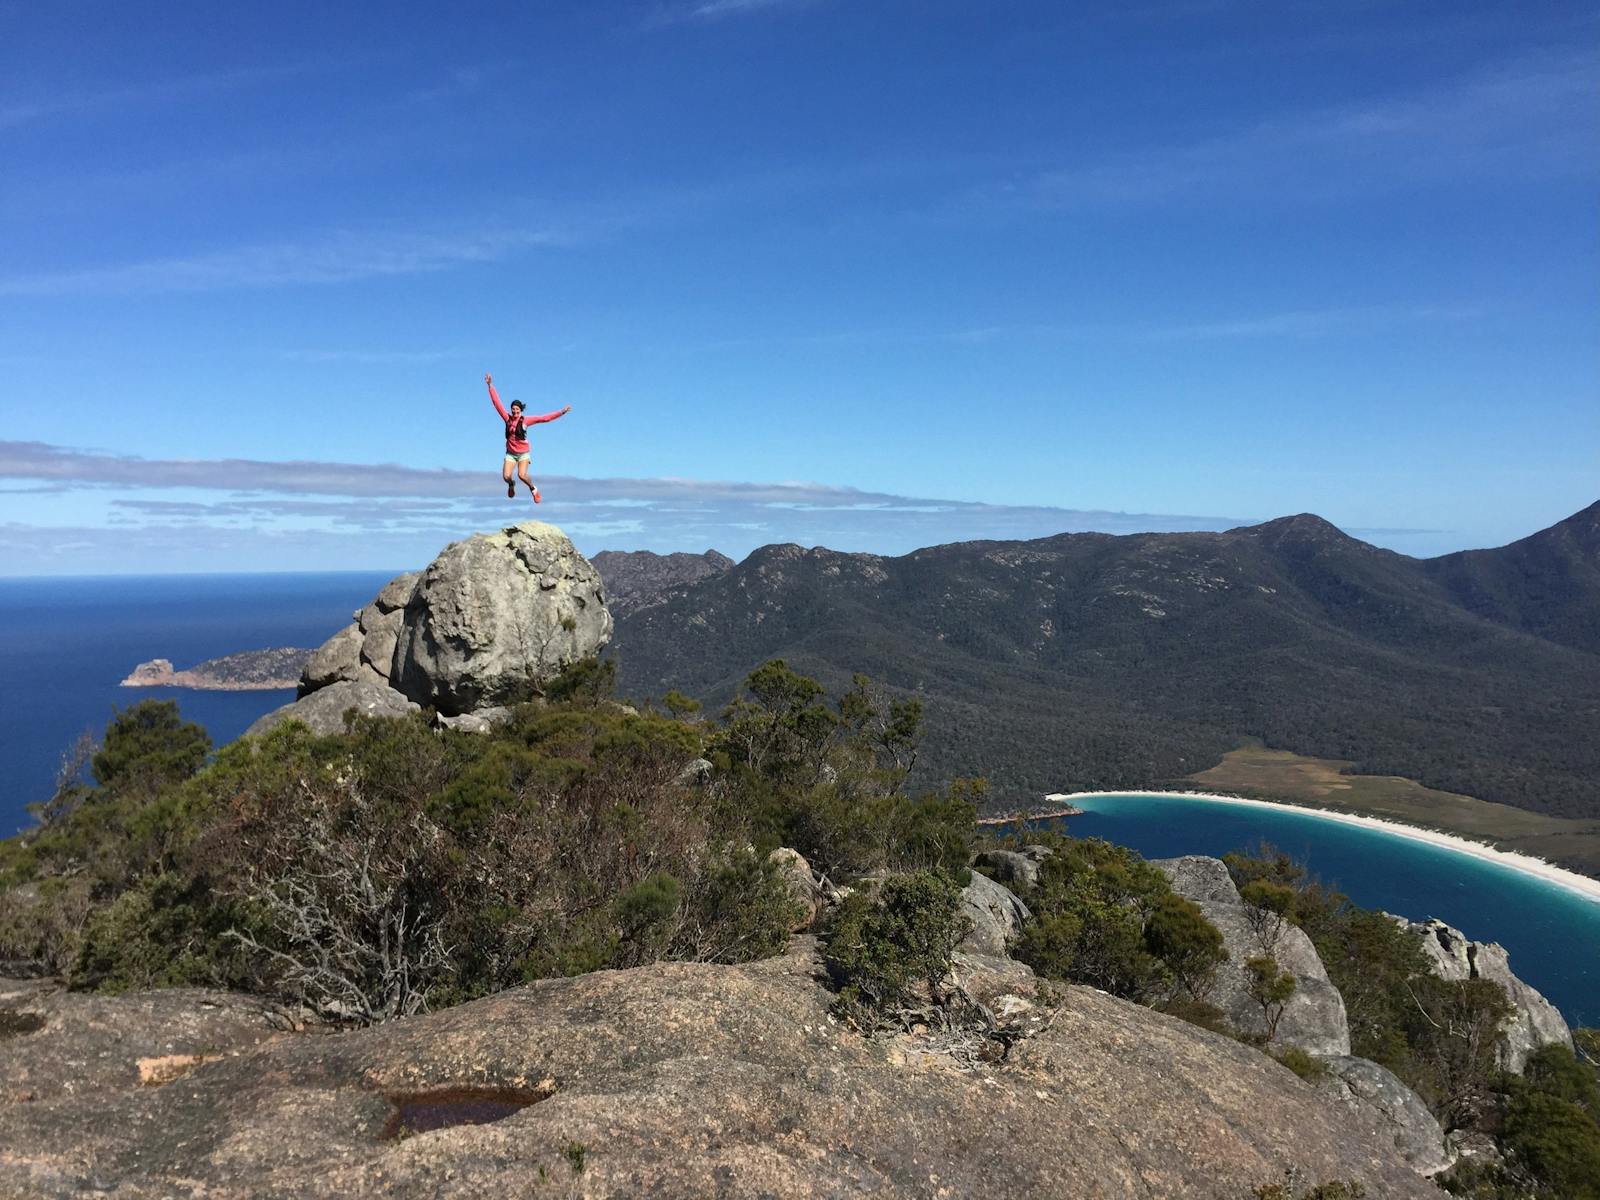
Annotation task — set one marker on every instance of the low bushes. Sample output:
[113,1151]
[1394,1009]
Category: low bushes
[889,947]
[394,867]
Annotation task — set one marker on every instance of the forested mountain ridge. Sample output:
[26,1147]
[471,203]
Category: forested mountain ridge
[1094,660]
[1547,584]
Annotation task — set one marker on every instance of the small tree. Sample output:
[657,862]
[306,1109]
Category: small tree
[1455,1029]
[1187,944]
[1269,908]
[1270,986]
[150,744]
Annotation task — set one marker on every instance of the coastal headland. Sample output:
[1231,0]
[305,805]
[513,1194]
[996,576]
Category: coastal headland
[247,671]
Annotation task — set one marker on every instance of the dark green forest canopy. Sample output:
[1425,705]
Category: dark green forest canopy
[1089,661]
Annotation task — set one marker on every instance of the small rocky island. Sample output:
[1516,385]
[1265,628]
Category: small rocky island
[247,671]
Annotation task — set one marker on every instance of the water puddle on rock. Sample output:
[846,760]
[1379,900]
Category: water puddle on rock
[15,1024]
[420,1112]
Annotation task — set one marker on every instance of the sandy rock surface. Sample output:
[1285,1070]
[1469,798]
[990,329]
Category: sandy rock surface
[695,1080]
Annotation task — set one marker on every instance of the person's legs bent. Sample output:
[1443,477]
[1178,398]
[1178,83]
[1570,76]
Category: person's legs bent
[505,473]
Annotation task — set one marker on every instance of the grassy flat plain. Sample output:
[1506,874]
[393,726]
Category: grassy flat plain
[1259,773]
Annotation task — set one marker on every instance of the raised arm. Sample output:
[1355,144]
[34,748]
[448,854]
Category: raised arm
[494,398]
[550,416]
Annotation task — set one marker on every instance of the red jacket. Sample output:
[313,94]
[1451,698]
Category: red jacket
[516,443]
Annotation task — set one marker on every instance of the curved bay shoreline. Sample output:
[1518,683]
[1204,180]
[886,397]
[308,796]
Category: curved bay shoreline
[1526,864]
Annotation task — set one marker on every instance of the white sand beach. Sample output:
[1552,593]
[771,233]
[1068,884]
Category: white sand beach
[1526,863]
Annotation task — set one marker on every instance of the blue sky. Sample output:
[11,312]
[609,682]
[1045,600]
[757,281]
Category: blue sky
[872,275]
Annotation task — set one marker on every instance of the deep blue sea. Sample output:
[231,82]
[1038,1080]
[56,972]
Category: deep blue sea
[66,643]
[1552,934]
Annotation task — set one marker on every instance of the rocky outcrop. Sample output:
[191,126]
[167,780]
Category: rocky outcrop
[701,1080]
[1199,877]
[801,884]
[482,721]
[1017,869]
[1534,1020]
[496,615]
[994,913]
[1395,1108]
[57,1045]
[489,621]
[324,709]
[637,579]
[1314,1018]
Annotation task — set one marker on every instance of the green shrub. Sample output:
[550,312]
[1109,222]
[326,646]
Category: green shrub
[1308,1066]
[149,744]
[588,681]
[163,933]
[1453,1036]
[1105,917]
[393,867]
[741,911]
[889,949]
[1558,1142]
[647,914]
[1186,943]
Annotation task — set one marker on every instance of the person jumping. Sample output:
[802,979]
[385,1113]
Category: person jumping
[517,452]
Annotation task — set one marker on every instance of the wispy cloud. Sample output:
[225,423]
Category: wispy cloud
[387,506]
[1537,117]
[336,258]
[1361,320]
[718,10]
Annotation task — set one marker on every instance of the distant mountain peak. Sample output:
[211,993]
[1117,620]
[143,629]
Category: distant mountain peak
[1582,528]
[1299,528]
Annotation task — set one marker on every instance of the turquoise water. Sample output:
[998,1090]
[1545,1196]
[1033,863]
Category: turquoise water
[1552,934]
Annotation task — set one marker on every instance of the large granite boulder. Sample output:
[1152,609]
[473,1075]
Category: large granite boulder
[486,624]
[800,882]
[1534,1020]
[1199,877]
[691,1079]
[495,616]
[1375,1090]
[1017,869]
[324,709]
[995,916]
[1314,1018]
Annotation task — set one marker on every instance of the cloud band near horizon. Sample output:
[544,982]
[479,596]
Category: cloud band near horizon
[320,514]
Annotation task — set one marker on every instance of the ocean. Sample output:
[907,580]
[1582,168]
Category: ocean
[65,644]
